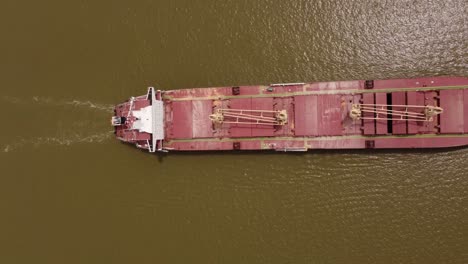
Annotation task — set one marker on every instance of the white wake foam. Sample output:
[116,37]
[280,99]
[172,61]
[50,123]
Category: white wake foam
[40,100]
[89,104]
[76,133]
[57,141]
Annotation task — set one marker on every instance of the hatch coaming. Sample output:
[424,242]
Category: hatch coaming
[232,117]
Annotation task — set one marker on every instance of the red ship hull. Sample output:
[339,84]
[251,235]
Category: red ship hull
[381,114]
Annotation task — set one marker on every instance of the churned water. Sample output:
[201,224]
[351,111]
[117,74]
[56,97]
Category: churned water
[70,193]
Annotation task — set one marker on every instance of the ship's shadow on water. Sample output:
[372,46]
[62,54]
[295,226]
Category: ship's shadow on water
[161,156]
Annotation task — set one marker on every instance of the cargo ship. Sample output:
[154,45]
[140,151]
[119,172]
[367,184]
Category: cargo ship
[429,112]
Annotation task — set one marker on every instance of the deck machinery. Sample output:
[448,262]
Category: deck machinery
[365,114]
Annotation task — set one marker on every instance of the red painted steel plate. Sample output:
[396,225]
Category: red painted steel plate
[310,116]
[350,126]
[262,104]
[250,145]
[305,115]
[202,126]
[285,103]
[431,98]
[397,83]
[337,143]
[416,98]
[329,115]
[451,120]
[381,125]
[399,126]
[286,89]
[465,107]
[432,142]
[202,145]
[182,119]
[249,90]
[240,130]
[369,124]
[284,144]
[333,86]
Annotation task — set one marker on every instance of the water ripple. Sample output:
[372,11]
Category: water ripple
[65,141]
[40,100]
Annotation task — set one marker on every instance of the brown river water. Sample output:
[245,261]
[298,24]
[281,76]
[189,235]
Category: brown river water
[71,193]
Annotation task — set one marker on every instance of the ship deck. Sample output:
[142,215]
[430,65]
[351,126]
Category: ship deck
[318,116]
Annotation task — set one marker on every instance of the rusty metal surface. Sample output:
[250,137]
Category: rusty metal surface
[416,98]
[465,110]
[381,126]
[369,124]
[305,115]
[399,127]
[318,116]
[451,121]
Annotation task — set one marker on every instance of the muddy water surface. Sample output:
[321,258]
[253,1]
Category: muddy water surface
[70,193]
